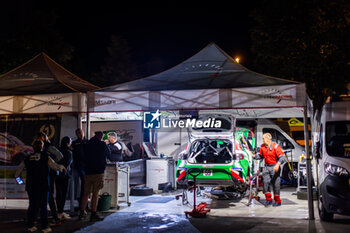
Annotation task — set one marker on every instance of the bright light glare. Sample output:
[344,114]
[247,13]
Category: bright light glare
[237,59]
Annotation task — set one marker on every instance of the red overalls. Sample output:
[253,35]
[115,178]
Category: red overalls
[271,155]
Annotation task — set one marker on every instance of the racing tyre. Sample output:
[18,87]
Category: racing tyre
[324,215]
[141,191]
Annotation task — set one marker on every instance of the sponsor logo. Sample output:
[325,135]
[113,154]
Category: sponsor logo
[193,123]
[105,101]
[154,120]
[272,93]
[57,101]
[60,104]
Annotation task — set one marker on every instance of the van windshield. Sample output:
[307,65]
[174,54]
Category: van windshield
[338,138]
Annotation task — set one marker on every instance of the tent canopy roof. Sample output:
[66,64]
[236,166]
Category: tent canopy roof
[210,68]
[42,75]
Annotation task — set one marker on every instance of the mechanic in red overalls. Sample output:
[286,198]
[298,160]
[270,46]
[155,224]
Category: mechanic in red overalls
[273,155]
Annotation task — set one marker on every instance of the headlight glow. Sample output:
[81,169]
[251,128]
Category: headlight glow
[335,170]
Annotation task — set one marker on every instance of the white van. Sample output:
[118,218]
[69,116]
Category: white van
[290,147]
[332,152]
[172,143]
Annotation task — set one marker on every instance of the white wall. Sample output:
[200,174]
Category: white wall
[167,140]
[69,124]
[132,129]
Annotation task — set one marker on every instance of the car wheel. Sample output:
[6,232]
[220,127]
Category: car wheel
[324,215]
[141,191]
[290,176]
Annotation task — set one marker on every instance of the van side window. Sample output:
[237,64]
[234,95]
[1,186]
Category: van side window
[278,138]
[337,138]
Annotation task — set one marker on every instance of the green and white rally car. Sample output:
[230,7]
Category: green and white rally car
[223,155]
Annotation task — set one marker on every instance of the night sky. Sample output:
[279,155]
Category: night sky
[160,35]
[159,38]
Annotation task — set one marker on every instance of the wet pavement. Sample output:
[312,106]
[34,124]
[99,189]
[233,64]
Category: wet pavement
[163,213]
[141,222]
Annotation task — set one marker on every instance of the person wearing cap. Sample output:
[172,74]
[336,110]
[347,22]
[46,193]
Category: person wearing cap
[118,149]
[37,186]
[273,156]
[57,156]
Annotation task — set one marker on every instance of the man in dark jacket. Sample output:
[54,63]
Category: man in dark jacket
[96,153]
[62,180]
[37,184]
[118,149]
[78,163]
[56,155]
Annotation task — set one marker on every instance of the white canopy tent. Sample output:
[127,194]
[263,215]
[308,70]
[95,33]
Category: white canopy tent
[210,80]
[42,86]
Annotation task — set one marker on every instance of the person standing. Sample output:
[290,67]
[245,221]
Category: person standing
[96,153]
[78,146]
[56,155]
[37,184]
[118,149]
[273,156]
[62,179]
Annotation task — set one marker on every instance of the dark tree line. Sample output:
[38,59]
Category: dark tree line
[306,41]
[28,27]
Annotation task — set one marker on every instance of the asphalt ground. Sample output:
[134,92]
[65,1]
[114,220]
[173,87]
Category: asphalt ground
[163,213]
[146,222]
[13,221]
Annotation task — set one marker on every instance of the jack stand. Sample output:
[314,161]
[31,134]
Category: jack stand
[200,210]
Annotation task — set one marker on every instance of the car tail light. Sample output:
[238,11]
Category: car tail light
[181,175]
[239,156]
[236,176]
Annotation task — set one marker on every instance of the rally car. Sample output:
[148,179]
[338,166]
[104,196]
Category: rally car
[223,155]
[12,150]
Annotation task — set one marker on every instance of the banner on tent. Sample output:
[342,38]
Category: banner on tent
[293,95]
[16,136]
[17,133]
[50,103]
[121,101]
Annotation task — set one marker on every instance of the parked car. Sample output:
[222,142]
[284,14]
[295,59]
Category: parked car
[12,150]
[223,156]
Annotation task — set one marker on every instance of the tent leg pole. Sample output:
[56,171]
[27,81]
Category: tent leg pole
[88,125]
[308,167]
[80,122]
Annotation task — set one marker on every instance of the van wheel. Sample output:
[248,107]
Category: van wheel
[324,215]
